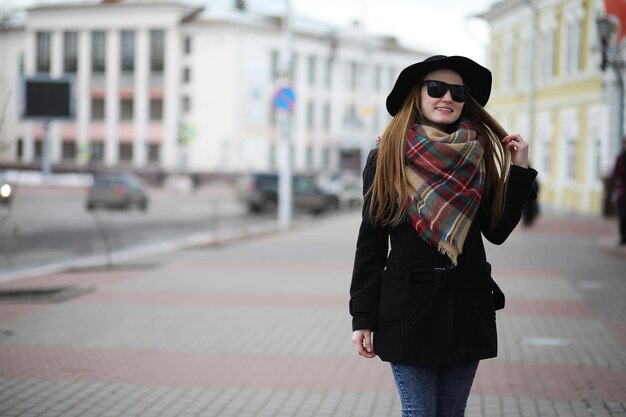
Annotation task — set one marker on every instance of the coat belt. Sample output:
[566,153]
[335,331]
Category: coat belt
[477,278]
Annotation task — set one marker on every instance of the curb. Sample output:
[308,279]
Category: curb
[213,238]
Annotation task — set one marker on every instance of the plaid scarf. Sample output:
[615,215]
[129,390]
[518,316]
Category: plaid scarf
[446,176]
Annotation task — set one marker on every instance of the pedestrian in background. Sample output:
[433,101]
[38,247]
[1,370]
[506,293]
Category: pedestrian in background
[444,172]
[619,191]
[531,209]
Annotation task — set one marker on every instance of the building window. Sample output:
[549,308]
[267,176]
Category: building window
[507,68]
[186,75]
[156,109]
[573,38]
[326,157]
[328,79]
[310,115]
[326,117]
[127,51]
[312,64]
[354,76]
[70,52]
[377,77]
[97,109]
[391,77]
[157,50]
[43,51]
[97,151]
[571,159]
[126,152]
[187,45]
[68,151]
[98,51]
[375,120]
[153,152]
[597,159]
[294,68]
[495,59]
[527,61]
[19,149]
[546,157]
[274,65]
[272,156]
[309,156]
[186,104]
[126,109]
[351,119]
[38,148]
[547,55]
[273,115]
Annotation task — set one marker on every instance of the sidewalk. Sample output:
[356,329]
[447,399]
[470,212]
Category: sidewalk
[260,328]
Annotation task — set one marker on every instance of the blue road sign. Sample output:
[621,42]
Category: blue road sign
[285,98]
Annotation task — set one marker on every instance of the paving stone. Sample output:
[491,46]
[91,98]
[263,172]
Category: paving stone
[260,328]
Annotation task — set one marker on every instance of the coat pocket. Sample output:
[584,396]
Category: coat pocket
[399,299]
[486,305]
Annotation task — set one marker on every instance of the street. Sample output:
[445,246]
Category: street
[50,225]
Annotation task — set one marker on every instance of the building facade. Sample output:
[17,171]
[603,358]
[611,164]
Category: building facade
[549,87]
[170,87]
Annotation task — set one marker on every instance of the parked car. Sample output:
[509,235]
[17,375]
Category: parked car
[122,191]
[259,192]
[6,191]
[347,186]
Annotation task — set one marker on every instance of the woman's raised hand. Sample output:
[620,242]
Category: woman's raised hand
[518,148]
[362,340]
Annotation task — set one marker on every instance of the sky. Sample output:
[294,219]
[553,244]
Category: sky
[442,26]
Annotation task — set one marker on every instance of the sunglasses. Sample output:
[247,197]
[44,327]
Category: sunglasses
[437,89]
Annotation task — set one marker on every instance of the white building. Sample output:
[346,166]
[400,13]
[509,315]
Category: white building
[167,86]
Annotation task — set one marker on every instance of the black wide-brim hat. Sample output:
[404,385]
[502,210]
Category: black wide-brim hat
[475,76]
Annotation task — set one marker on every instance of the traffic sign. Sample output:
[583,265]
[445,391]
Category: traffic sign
[284,99]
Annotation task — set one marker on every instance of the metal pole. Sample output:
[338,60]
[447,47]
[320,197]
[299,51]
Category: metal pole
[284,143]
[364,112]
[612,57]
[45,150]
[617,63]
[620,91]
[533,78]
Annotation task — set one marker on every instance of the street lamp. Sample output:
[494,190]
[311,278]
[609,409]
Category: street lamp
[611,57]
[532,82]
[604,32]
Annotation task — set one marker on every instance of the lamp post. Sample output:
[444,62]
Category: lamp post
[284,143]
[611,57]
[532,79]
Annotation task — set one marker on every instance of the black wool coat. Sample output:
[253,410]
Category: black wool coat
[416,321]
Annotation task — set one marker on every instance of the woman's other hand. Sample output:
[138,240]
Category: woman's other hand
[518,148]
[362,340]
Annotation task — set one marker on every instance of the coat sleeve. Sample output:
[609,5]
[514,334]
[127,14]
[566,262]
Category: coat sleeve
[369,260]
[519,191]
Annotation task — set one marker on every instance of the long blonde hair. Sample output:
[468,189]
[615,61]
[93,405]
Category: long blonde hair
[389,192]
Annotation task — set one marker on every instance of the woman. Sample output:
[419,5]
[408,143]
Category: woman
[619,191]
[444,173]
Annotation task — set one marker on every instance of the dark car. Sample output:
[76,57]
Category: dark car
[121,191]
[260,193]
[6,191]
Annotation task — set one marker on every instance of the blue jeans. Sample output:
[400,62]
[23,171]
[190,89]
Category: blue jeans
[434,391]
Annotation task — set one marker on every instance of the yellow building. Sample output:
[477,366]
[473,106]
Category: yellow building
[548,86]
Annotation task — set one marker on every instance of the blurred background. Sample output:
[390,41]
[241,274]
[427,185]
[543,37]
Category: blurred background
[166,118]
